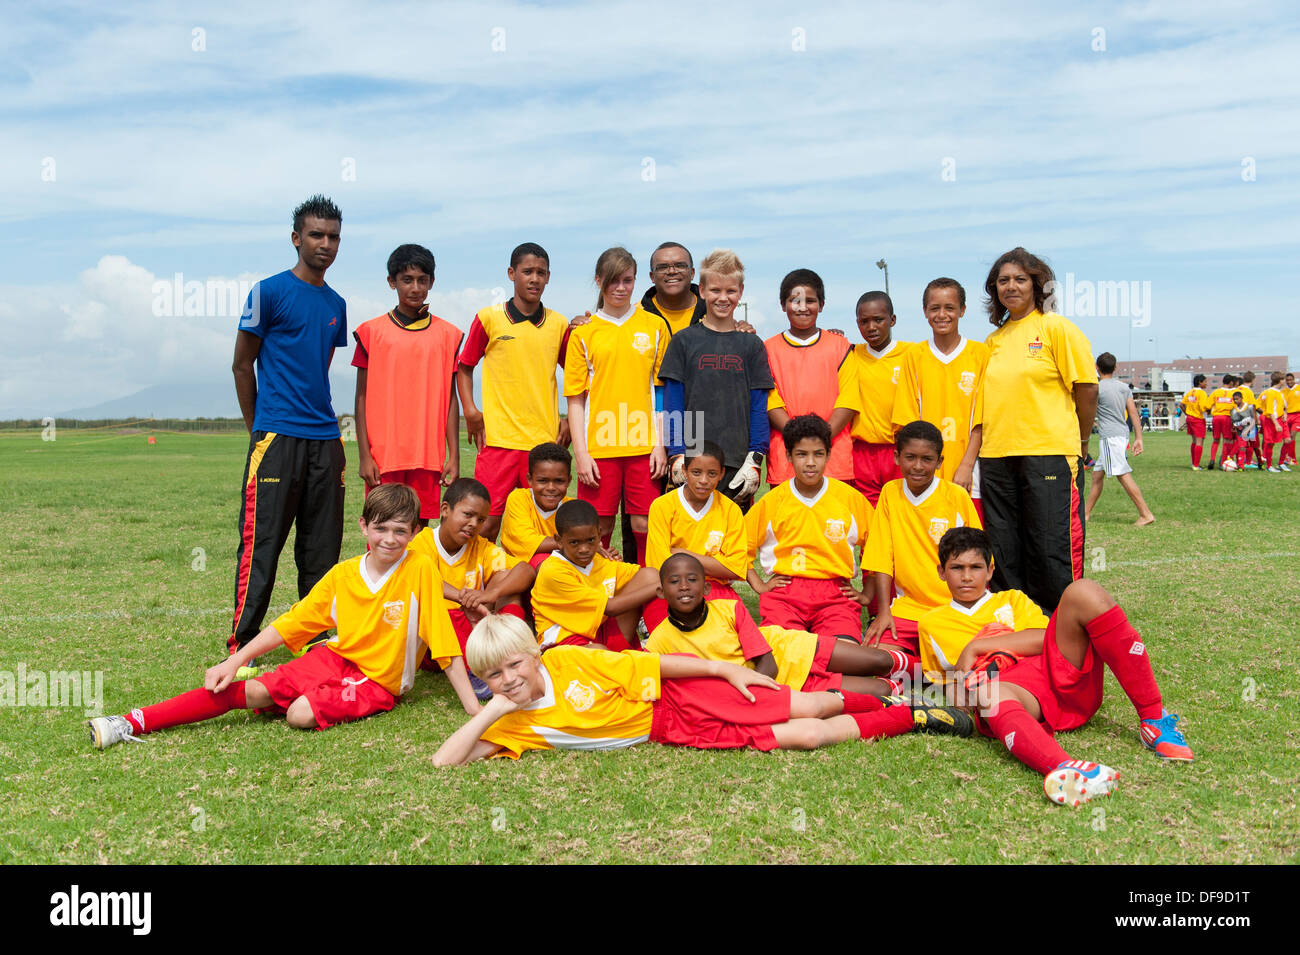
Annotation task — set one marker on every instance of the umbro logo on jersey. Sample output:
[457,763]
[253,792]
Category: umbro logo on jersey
[1010,739]
[504,338]
[1138,648]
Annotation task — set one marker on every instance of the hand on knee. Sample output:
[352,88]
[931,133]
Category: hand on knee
[299,714]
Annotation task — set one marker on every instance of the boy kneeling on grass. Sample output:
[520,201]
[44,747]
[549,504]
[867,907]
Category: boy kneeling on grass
[387,607]
[1049,672]
[587,698]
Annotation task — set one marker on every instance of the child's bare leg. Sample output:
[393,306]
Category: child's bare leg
[299,714]
[815,705]
[1082,601]
[814,733]
[627,621]
[1094,492]
[851,658]
[1130,487]
[256,695]
[606,528]
[490,528]
[874,685]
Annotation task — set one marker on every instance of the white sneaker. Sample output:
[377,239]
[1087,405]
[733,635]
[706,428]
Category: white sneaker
[107,730]
[1285,468]
[1274,470]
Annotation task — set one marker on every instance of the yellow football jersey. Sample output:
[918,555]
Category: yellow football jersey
[383,625]
[570,601]
[1292,399]
[867,382]
[524,525]
[945,630]
[594,700]
[1272,402]
[677,319]
[717,531]
[616,363]
[1194,403]
[904,541]
[1027,399]
[520,396]
[1221,402]
[942,389]
[471,567]
[808,537]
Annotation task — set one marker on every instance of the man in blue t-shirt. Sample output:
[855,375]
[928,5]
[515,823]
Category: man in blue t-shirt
[291,324]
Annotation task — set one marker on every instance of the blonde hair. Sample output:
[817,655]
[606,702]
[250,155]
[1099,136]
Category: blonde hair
[611,264]
[722,264]
[496,637]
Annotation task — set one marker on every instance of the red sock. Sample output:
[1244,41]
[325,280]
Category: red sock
[605,539]
[191,707]
[640,547]
[891,721]
[1122,649]
[1268,456]
[1214,451]
[1288,451]
[1196,454]
[901,665]
[1025,738]
[514,610]
[861,703]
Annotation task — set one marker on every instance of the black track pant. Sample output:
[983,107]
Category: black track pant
[1033,513]
[285,480]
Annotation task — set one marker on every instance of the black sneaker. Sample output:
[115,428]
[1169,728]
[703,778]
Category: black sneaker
[944,720]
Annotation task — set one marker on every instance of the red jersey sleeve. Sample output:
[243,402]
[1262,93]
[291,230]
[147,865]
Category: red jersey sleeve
[564,347]
[361,357]
[476,342]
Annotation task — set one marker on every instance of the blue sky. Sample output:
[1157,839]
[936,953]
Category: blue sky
[1140,143]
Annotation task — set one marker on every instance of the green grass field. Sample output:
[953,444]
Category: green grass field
[119,556]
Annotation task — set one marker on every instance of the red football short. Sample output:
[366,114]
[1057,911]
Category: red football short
[814,605]
[1223,430]
[1293,421]
[708,713]
[337,691]
[873,468]
[909,636]
[609,635]
[820,676]
[501,470]
[656,611]
[1067,695]
[622,480]
[1196,427]
[1272,435]
[426,484]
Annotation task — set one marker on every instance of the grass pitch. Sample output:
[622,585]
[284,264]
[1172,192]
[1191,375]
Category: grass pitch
[118,559]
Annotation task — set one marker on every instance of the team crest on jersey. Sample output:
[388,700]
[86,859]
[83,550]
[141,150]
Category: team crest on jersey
[967,382]
[1036,347]
[835,530]
[938,527]
[894,379]
[1005,616]
[714,543]
[471,579]
[580,696]
[393,612]
[610,584]
[641,342]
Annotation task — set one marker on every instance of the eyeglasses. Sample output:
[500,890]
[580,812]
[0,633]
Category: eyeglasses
[668,268]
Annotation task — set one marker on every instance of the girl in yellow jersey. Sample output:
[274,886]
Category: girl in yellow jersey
[1194,402]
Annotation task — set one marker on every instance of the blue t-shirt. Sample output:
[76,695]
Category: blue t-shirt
[300,325]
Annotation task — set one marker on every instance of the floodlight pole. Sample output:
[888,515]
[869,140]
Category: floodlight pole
[883,265]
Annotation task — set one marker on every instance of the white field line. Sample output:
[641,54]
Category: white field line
[271,614]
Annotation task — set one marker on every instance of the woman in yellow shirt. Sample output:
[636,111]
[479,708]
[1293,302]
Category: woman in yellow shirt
[1039,401]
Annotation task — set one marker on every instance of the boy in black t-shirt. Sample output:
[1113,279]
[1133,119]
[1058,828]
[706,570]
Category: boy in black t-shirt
[716,381]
